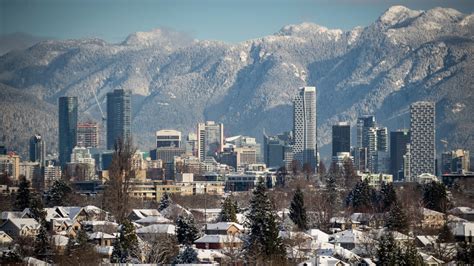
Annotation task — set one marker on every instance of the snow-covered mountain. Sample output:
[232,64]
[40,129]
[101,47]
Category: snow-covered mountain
[404,56]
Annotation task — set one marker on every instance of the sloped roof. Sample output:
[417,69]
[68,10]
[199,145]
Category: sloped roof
[218,239]
[462,210]
[157,229]
[223,226]
[427,240]
[10,215]
[25,222]
[69,211]
[318,235]
[153,220]
[3,234]
[101,235]
[142,213]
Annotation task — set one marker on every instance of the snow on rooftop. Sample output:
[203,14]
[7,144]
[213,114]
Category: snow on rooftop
[153,220]
[223,226]
[218,239]
[157,229]
[101,235]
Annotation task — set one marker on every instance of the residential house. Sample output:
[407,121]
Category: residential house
[323,260]
[218,242]
[463,212]
[154,231]
[102,239]
[224,228]
[19,227]
[153,220]
[432,219]
[5,239]
[99,226]
[343,223]
[137,214]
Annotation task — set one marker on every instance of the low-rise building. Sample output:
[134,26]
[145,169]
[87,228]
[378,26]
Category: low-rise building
[375,180]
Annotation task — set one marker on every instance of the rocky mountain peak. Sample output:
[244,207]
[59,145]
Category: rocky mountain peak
[398,14]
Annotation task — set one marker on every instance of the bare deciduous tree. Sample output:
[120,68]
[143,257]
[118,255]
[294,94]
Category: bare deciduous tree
[116,195]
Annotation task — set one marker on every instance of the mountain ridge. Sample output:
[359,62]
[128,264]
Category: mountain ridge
[404,56]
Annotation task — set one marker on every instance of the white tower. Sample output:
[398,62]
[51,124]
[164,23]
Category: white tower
[304,127]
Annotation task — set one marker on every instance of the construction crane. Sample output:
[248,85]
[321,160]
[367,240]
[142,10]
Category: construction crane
[100,108]
[445,144]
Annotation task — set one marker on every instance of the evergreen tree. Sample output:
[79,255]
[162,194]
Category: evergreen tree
[410,256]
[445,235]
[80,252]
[37,209]
[41,243]
[229,210]
[388,196]
[188,255]
[58,193]
[298,211]
[263,240]
[23,196]
[125,246]
[435,196]
[165,201]
[388,252]
[465,253]
[397,219]
[186,230]
[361,197]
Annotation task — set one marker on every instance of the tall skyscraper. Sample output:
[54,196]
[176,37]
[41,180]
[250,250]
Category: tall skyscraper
[119,117]
[364,123]
[341,138]
[398,147]
[422,139]
[67,128]
[210,139]
[304,127]
[37,150]
[88,135]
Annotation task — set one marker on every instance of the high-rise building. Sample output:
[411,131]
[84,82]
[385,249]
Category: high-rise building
[304,127]
[88,135]
[364,123]
[277,149]
[168,138]
[398,147]
[210,139]
[191,144]
[67,128]
[119,117]
[457,161]
[37,150]
[374,139]
[422,139]
[341,138]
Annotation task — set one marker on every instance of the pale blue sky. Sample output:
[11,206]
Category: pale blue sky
[226,20]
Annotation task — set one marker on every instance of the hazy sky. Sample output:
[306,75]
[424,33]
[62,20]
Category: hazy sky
[226,20]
